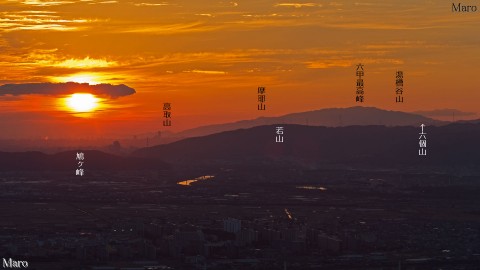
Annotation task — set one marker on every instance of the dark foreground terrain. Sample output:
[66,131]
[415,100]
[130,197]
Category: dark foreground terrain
[250,217]
[356,197]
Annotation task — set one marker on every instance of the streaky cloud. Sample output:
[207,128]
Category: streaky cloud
[51,89]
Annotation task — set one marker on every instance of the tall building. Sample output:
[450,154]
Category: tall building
[232,225]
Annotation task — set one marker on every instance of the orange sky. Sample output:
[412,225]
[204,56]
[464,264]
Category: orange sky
[208,57]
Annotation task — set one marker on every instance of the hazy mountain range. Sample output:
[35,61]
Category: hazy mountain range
[448,146]
[357,139]
[333,117]
[454,145]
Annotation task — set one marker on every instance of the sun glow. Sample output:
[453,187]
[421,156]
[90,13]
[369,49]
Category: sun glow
[80,78]
[82,102]
[87,62]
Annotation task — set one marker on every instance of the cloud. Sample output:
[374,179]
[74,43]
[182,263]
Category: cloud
[109,90]
[108,2]
[38,20]
[46,3]
[86,62]
[330,64]
[298,5]
[205,14]
[211,72]
[167,29]
[151,4]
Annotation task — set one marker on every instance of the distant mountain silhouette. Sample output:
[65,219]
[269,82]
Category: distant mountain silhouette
[445,113]
[94,160]
[333,117]
[372,146]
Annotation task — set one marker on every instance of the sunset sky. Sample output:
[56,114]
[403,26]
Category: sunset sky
[207,59]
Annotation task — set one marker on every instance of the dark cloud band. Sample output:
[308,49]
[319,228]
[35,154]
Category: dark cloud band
[113,91]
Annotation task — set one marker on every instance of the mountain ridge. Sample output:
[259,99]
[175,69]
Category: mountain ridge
[390,147]
[330,117]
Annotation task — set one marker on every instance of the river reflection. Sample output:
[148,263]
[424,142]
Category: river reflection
[311,187]
[201,178]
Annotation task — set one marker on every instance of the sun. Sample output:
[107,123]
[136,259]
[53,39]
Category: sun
[82,102]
